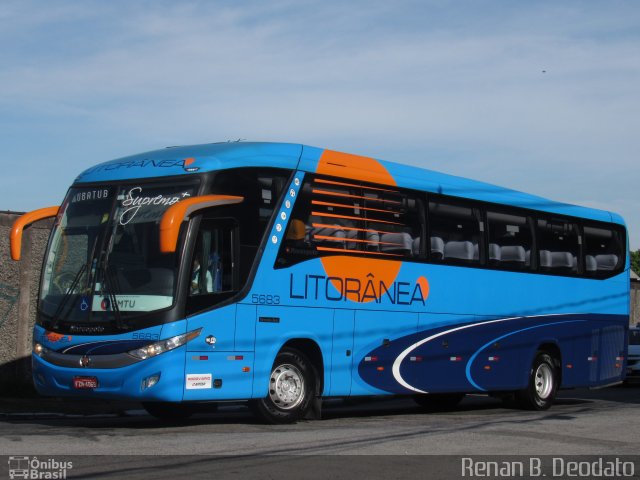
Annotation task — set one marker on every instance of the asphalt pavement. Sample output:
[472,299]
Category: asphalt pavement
[130,442]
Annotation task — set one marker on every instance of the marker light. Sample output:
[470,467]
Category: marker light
[163,346]
[38,349]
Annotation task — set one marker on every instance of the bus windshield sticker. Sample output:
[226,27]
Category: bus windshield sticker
[132,303]
[155,205]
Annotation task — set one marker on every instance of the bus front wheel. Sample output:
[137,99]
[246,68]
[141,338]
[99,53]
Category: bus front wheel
[291,389]
[543,384]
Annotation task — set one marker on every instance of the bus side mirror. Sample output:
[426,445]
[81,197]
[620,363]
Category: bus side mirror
[15,237]
[177,213]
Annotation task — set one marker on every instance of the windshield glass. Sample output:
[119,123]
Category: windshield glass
[104,262]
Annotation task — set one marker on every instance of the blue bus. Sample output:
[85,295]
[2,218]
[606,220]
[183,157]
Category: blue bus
[281,274]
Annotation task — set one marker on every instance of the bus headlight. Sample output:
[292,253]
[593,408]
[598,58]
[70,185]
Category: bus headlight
[163,346]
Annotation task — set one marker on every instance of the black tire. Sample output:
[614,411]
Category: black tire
[543,384]
[169,411]
[292,387]
[439,401]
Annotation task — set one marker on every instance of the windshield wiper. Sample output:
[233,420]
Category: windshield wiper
[67,296]
[113,286]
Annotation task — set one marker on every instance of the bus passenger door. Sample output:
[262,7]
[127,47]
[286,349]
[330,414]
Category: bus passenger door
[341,353]
[213,278]
[222,372]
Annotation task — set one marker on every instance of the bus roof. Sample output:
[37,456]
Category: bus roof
[186,160]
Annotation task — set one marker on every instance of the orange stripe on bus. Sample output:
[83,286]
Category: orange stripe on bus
[354,167]
[352,207]
[340,227]
[329,249]
[346,195]
[337,239]
[347,217]
[343,184]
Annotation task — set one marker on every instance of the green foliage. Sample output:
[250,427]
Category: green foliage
[635,261]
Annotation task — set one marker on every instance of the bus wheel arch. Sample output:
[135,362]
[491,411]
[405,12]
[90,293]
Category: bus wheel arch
[294,384]
[312,351]
[554,352]
[543,381]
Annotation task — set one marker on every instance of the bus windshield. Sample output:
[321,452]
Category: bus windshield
[104,261]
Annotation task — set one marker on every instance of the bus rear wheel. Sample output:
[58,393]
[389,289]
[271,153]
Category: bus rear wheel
[291,389]
[543,384]
[438,401]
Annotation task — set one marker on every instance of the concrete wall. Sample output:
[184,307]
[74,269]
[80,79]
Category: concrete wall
[18,292]
[635,303]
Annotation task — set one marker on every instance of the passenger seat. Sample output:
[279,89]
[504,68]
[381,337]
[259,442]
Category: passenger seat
[514,255]
[437,248]
[396,243]
[606,262]
[459,250]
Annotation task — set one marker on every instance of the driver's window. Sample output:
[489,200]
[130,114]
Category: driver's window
[212,268]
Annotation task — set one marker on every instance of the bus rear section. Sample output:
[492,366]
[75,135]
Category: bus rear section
[437,296]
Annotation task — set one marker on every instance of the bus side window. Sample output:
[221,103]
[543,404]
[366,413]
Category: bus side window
[395,222]
[334,216]
[558,246]
[212,269]
[454,233]
[510,241]
[603,251]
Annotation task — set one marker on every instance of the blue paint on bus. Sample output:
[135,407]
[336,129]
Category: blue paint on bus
[425,327]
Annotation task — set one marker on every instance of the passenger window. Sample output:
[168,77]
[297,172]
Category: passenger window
[393,219]
[336,216]
[262,189]
[454,233]
[342,217]
[510,241]
[603,251]
[214,273]
[212,268]
[558,246]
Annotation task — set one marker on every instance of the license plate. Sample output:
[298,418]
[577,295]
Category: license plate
[85,382]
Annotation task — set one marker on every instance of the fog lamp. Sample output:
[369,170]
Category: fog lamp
[150,381]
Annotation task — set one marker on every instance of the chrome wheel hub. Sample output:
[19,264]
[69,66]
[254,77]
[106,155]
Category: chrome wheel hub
[544,381]
[286,387]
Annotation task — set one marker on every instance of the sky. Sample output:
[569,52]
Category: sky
[542,96]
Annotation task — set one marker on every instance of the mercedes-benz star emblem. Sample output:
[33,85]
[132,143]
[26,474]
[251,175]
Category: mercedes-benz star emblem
[85,361]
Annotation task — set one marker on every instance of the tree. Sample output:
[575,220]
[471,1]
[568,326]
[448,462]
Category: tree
[635,261]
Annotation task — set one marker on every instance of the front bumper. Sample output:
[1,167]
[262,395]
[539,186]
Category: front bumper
[125,382]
